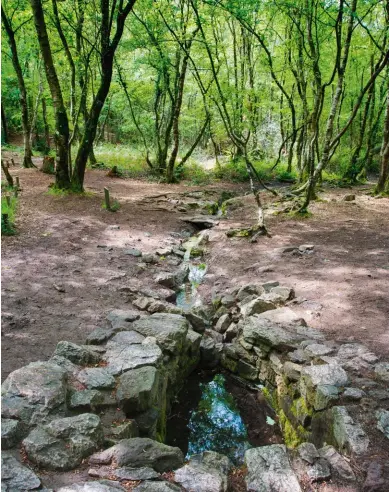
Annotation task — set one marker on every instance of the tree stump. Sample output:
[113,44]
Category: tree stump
[48,166]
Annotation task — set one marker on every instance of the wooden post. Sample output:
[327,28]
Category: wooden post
[8,200]
[17,186]
[12,162]
[107,200]
[5,219]
[15,192]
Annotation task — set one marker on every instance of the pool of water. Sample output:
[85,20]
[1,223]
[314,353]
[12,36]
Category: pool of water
[215,412]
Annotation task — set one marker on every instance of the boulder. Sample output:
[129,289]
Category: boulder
[138,452]
[100,335]
[95,486]
[383,421]
[382,371]
[64,443]
[86,400]
[34,393]
[126,338]
[133,252]
[324,374]
[198,323]
[137,389]
[223,323]
[121,319]
[353,394]
[283,293]
[308,452]
[210,351]
[124,473]
[124,358]
[205,472]
[319,471]
[157,487]
[338,464]
[15,476]
[269,470]
[76,354]
[173,280]
[317,349]
[201,221]
[126,430]
[256,306]
[262,332]
[348,434]
[248,290]
[96,378]
[325,396]
[12,432]
[169,329]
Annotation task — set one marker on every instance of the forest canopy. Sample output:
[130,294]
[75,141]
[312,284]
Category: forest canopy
[301,85]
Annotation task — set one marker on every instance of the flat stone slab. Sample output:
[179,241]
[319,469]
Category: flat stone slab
[257,306]
[124,358]
[324,374]
[338,464]
[64,443]
[169,329]
[157,487]
[93,486]
[383,421]
[124,473]
[138,452]
[126,338]
[207,471]
[260,331]
[269,470]
[34,392]
[349,435]
[137,389]
[76,353]
[96,378]
[15,476]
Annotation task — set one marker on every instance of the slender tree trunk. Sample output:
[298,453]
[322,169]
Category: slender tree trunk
[27,161]
[383,180]
[4,133]
[62,180]
[46,126]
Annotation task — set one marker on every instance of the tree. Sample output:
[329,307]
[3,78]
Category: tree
[11,36]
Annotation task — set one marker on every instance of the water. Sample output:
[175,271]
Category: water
[216,424]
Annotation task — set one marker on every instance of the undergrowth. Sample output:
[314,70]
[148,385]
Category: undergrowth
[8,211]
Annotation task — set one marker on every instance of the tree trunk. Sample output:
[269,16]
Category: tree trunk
[4,134]
[61,119]
[27,161]
[46,126]
[383,180]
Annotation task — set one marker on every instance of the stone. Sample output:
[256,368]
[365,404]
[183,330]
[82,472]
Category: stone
[126,430]
[267,286]
[65,364]
[325,396]
[157,487]
[64,443]
[349,435]
[247,371]
[230,333]
[173,280]
[210,351]
[133,252]
[95,486]
[259,331]
[383,421]
[12,432]
[34,393]
[306,248]
[298,356]
[76,354]
[223,323]
[15,476]
[169,329]
[147,422]
[382,371]
[96,378]
[193,340]
[353,394]
[256,306]
[205,472]
[318,349]
[99,336]
[356,352]
[308,452]
[120,316]
[269,470]
[319,471]
[285,293]
[149,258]
[324,374]
[198,323]
[126,338]
[86,400]
[142,303]
[338,464]
[124,473]
[348,198]
[138,452]
[248,290]
[137,389]
[124,358]
[228,301]
[201,221]
[292,371]
[375,479]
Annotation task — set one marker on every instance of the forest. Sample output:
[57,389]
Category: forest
[195,231]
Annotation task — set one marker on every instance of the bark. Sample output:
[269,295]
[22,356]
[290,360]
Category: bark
[7,174]
[62,180]
[46,125]
[27,161]
[4,133]
[383,180]
[108,49]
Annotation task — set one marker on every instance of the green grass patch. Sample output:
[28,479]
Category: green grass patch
[129,160]
[8,211]
[114,206]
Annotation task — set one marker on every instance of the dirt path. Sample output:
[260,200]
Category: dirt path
[67,266]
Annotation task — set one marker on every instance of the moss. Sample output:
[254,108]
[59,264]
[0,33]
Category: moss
[196,252]
[229,364]
[291,436]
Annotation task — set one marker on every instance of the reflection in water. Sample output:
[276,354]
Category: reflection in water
[187,296]
[216,423]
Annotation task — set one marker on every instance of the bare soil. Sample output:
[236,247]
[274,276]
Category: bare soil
[63,270]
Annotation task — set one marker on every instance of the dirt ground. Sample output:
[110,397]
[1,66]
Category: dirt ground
[67,266]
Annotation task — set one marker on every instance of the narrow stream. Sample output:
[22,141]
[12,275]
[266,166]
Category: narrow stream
[214,412]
